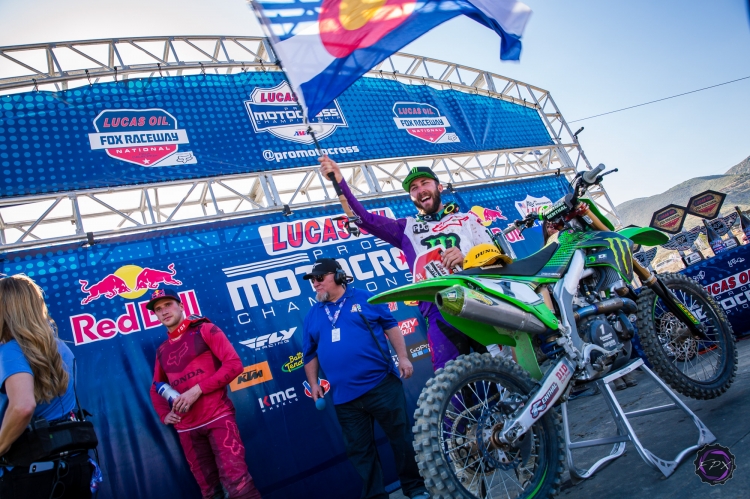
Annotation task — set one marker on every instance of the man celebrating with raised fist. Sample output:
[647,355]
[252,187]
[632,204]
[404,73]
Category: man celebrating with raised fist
[439,235]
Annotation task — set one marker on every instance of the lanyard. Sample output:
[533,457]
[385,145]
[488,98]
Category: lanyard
[336,315]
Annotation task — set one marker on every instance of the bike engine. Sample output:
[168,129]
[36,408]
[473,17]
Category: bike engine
[599,330]
[604,331]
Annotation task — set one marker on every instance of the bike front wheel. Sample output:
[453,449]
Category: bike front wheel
[696,368]
[456,412]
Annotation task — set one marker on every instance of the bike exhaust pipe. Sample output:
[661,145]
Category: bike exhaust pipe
[480,307]
[606,307]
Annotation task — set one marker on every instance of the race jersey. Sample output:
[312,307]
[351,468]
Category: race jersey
[201,355]
[421,241]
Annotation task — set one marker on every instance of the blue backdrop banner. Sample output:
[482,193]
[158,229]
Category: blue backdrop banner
[160,129]
[246,276]
[726,277]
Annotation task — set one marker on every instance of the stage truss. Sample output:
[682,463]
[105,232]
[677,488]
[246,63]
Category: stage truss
[94,214]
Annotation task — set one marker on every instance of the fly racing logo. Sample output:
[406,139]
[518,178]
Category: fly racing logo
[269,340]
[623,257]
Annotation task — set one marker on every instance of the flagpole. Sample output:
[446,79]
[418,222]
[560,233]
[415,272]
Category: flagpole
[351,226]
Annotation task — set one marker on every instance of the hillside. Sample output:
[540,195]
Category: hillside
[735,184]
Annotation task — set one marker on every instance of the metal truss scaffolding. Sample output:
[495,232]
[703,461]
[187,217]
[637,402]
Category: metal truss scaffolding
[43,220]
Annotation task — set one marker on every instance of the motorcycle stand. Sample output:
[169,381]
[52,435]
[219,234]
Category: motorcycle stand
[625,431]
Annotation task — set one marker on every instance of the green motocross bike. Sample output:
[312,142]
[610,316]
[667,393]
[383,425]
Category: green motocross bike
[485,425]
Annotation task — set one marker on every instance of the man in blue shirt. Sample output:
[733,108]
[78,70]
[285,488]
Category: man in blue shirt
[345,334]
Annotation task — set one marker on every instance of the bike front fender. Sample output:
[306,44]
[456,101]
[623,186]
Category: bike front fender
[645,236]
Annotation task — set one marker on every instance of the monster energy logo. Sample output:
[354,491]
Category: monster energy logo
[445,240]
[621,249]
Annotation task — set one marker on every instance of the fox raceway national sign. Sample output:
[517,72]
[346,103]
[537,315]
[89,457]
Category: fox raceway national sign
[145,137]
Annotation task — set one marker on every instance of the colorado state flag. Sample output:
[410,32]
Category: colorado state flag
[325,45]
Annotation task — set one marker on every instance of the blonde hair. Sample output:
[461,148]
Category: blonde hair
[24,317]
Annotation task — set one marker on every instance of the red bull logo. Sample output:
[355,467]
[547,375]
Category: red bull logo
[129,281]
[87,329]
[487,216]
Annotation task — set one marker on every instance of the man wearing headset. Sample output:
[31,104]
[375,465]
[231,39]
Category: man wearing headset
[436,225]
[345,335]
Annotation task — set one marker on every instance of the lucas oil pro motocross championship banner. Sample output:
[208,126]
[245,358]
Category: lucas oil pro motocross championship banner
[726,277]
[246,277]
[161,129]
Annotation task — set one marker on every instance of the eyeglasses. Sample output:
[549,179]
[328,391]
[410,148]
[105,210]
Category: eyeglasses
[320,278]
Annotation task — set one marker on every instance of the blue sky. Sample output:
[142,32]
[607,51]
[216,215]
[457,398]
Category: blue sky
[593,56]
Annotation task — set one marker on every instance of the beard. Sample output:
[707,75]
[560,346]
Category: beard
[322,296]
[434,203]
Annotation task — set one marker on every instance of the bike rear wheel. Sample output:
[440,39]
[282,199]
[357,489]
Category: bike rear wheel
[456,412]
[700,369]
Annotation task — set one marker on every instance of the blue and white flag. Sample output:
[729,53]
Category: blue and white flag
[326,45]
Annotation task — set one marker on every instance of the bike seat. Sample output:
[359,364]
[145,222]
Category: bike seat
[525,267]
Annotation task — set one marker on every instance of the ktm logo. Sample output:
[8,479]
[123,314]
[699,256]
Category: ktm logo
[252,375]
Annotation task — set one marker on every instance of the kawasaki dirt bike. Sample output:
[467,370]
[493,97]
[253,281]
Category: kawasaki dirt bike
[485,425]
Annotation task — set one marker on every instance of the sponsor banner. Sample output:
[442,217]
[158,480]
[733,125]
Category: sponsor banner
[252,375]
[706,204]
[408,326]
[669,219]
[726,277]
[286,237]
[204,125]
[231,273]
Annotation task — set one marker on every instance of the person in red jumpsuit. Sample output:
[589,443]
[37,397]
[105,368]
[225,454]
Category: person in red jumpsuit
[199,362]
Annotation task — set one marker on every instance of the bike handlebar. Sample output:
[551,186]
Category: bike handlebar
[590,176]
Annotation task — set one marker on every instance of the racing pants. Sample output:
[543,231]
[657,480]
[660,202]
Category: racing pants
[216,457]
[447,342]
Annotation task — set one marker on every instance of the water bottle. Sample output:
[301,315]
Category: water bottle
[166,391]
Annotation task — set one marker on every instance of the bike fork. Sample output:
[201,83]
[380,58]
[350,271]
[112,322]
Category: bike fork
[539,402]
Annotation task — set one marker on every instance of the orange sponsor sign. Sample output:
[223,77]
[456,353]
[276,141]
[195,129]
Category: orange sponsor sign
[252,375]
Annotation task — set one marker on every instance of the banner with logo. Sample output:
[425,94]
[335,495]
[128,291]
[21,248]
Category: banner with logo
[726,277]
[706,205]
[161,129]
[246,277]
[669,219]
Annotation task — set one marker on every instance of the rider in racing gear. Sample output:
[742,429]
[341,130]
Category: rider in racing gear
[437,228]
